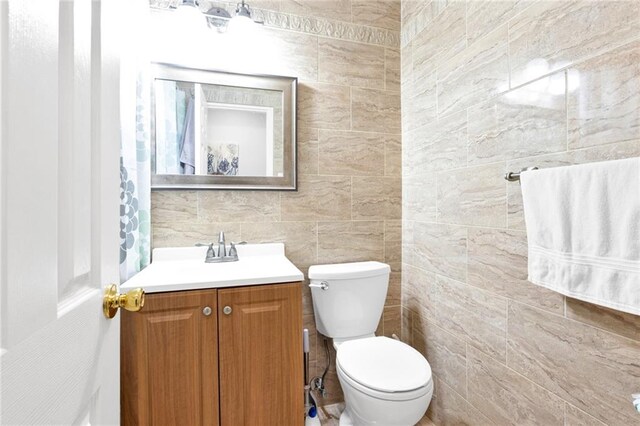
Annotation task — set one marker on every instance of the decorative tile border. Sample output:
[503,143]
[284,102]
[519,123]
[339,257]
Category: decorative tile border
[307,24]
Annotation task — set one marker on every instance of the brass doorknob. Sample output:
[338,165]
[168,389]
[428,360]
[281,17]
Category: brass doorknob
[132,301]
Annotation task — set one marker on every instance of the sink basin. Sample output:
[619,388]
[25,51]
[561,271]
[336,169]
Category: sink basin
[183,268]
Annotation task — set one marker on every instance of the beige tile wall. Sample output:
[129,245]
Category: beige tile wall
[489,87]
[348,206]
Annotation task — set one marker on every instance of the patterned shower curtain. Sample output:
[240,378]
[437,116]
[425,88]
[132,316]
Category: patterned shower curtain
[135,163]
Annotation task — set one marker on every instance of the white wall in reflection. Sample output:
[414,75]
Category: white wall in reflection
[248,129]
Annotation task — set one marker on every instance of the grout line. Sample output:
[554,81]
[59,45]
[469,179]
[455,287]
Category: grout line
[580,61]
[493,96]
[494,294]
[509,369]
[580,323]
[343,85]
[330,129]
[574,150]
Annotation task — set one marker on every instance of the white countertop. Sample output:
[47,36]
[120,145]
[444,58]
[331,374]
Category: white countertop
[183,268]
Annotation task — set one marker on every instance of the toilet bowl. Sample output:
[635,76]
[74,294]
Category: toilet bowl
[385,381]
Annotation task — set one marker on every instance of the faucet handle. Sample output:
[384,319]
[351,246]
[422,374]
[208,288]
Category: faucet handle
[232,250]
[210,251]
[203,244]
[221,237]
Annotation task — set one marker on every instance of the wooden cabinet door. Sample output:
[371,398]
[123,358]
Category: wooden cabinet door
[260,349]
[169,362]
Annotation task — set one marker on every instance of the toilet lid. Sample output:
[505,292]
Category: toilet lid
[384,364]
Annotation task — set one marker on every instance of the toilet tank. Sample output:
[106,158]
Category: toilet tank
[351,304]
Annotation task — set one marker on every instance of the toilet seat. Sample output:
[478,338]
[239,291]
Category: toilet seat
[345,380]
[384,368]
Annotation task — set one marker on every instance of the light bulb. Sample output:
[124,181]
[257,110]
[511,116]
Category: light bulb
[240,24]
[188,15]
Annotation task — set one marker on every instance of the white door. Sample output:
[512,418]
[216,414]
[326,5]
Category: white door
[59,174]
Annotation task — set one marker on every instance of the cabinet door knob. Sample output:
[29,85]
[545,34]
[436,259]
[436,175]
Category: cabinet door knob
[206,311]
[227,310]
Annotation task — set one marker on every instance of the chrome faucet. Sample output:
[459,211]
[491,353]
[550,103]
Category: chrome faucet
[222,248]
[222,255]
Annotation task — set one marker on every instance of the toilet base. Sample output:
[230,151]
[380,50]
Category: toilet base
[363,409]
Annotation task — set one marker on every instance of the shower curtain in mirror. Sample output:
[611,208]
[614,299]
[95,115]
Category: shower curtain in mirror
[135,165]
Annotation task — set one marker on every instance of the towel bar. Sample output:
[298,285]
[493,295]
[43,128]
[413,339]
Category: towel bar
[515,176]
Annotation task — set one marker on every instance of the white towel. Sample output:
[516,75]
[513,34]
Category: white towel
[583,230]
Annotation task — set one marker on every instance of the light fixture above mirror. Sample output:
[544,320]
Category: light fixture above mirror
[188,16]
[218,17]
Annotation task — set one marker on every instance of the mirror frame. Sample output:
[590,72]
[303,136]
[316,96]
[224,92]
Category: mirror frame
[288,87]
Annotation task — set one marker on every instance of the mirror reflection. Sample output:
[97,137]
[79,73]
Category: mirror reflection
[218,130]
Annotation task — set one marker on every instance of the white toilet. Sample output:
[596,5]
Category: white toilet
[385,382]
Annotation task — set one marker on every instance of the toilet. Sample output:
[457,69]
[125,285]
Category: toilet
[385,381]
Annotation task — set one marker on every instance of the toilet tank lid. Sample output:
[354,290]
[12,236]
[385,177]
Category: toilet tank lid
[344,271]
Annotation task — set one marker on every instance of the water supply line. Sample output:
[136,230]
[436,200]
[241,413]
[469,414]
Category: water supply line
[310,408]
[317,383]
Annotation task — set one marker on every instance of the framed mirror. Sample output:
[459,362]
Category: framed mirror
[218,130]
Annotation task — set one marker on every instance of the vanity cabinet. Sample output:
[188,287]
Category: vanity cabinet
[260,355]
[169,360]
[239,363]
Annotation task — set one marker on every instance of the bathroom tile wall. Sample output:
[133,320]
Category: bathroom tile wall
[489,87]
[348,206]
